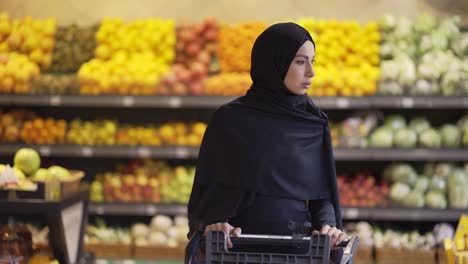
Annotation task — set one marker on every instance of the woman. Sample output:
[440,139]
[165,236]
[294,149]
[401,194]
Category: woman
[266,157]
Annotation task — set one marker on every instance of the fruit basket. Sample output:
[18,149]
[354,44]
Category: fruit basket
[117,251]
[393,256]
[162,253]
[64,188]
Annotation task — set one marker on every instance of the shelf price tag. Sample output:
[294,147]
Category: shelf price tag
[175,101]
[181,152]
[407,102]
[44,150]
[151,210]
[351,213]
[55,100]
[128,101]
[99,210]
[143,152]
[342,102]
[87,152]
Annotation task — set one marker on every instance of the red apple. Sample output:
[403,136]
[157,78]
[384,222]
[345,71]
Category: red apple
[196,88]
[179,89]
[211,34]
[204,57]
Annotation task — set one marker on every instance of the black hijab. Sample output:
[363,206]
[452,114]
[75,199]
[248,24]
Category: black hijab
[269,142]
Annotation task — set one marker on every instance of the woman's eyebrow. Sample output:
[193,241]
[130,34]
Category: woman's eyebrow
[304,56]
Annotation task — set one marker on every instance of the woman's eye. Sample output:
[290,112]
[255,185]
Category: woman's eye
[300,62]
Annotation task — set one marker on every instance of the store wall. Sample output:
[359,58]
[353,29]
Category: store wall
[90,11]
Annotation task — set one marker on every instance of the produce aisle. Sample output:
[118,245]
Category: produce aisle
[121,107]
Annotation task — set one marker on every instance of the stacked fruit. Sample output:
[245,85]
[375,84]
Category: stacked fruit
[347,57]
[235,45]
[144,181]
[362,191]
[439,185]
[11,123]
[161,232]
[16,73]
[5,30]
[137,135]
[178,133]
[227,84]
[74,46]
[44,131]
[55,84]
[130,58]
[34,38]
[195,54]
[92,132]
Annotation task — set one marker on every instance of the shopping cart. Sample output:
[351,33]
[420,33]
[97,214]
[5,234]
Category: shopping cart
[297,249]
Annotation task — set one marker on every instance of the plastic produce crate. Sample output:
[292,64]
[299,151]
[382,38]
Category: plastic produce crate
[315,249]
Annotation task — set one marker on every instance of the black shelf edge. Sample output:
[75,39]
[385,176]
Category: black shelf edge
[403,214]
[185,152]
[377,154]
[348,213]
[128,101]
[137,209]
[105,151]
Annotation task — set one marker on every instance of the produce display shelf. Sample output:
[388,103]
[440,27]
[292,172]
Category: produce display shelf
[349,213]
[185,152]
[117,101]
[137,209]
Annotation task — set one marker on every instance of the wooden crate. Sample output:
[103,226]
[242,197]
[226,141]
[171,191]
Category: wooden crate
[160,253]
[403,256]
[110,251]
[441,256]
[364,255]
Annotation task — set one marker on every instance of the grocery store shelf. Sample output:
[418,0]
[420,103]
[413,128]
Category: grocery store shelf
[182,152]
[381,214]
[215,101]
[105,151]
[402,214]
[115,101]
[137,209]
[380,154]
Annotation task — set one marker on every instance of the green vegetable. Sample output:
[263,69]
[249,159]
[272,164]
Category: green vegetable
[430,138]
[406,138]
[382,137]
[398,192]
[458,185]
[435,199]
[451,136]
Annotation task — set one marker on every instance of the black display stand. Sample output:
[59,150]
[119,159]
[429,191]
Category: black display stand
[66,220]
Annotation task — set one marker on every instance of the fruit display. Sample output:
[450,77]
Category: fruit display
[347,61]
[440,185]
[178,133]
[102,234]
[12,178]
[396,132]
[34,38]
[11,123]
[227,84]
[362,190]
[130,58]
[163,231]
[5,30]
[137,135]
[354,131]
[235,45]
[183,80]
[144,181]
[74,45]
[16,73]
[423,57]
[55,84]
[197,43]
[43,131]
[100,132]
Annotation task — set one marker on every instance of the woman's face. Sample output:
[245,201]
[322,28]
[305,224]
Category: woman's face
[301,70]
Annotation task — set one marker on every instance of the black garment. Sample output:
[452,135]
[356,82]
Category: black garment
[269,142]
[270,215]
